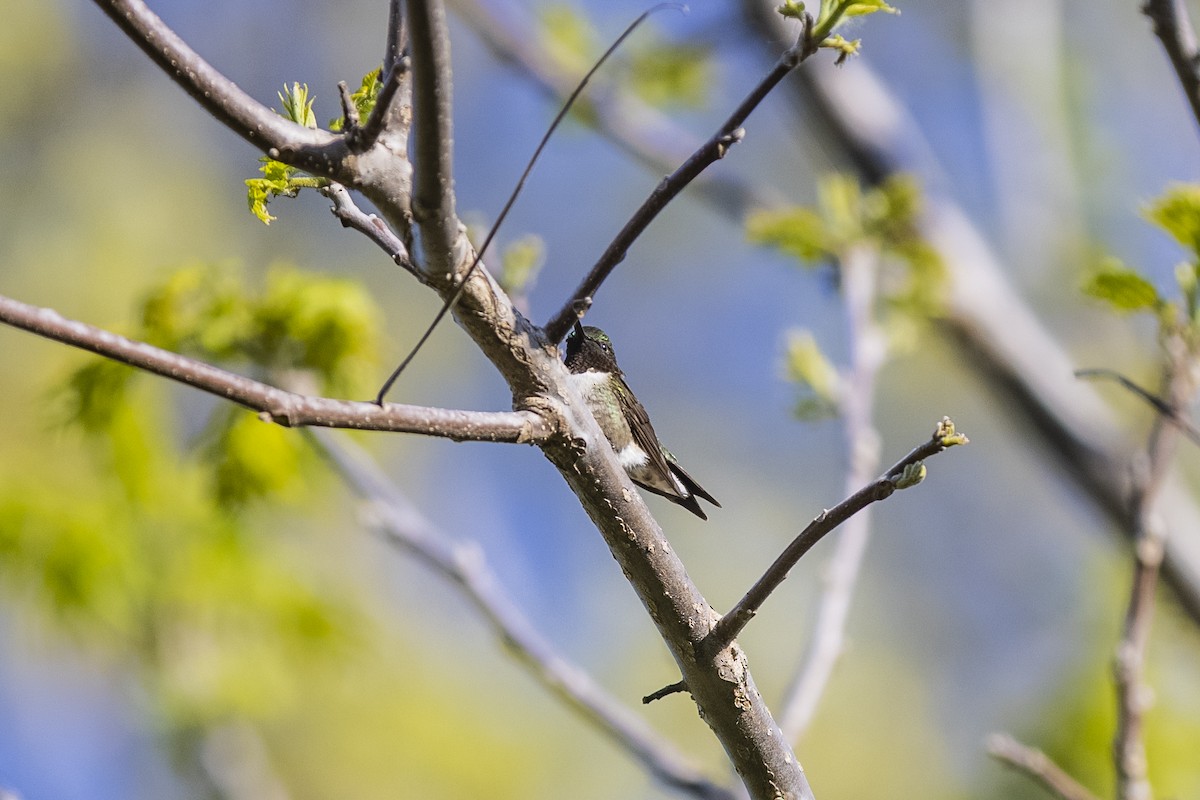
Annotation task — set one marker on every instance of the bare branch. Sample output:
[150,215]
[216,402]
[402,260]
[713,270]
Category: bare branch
[400,524]
[730,133]
[397,36]
[859,272]
[1149,538]
[732,623]
[1174,29]
[276,405]
[1036,765]
[642,131]
[374,228]
[314,150]
[433,135]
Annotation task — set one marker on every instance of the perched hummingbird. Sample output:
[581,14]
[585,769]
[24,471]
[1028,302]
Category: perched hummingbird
[624,421]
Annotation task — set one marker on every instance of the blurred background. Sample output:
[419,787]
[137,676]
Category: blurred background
[162,636]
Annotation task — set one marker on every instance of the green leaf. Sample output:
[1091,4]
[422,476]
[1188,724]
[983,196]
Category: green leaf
[298,105]
[276,182]
[817,378]
[1122,288]
[799,232]
[1178,213]
[364,97]
[521,262]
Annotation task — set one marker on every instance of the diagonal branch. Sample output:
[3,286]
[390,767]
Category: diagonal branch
[313,150]
[400,524]
[730,133]
[1174,30]
[732,623]
[276,405]
[1036,765]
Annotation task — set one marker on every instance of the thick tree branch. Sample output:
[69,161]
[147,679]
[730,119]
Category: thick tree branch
[1174,29]
[732,623]
[313,150]
[1037,765]
[400,524]
[433,203]
[283,407]
[730,133]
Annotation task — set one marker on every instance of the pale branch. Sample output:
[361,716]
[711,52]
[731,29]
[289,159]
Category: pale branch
[641,130]
[731,624]
[1038,766]
[464,565]
[1174,29]
[1149,538]
[370,225]
[994,328]
[729,134]
[385,116]
[274,404]
[858,271]
[433,203]
[313,150]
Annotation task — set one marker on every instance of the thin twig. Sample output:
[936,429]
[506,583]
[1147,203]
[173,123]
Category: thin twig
[401,525]
[1175,415]
[1149,537]
[374,228]
[1174,29]
[666,691]
[642,131]
[732,623]
[1036,765]
[273,404]
[858,271]
[729,134]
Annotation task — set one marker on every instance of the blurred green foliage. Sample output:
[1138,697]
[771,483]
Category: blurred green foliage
[882,221]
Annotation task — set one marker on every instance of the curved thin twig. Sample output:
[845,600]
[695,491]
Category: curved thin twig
[1037,765]
[713,150]
[732,623]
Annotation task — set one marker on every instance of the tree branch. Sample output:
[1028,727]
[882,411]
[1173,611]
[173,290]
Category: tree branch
[858,274]
[730,133]
[1037,765]
[313,150]
[276,405]
[374,228]
[731,624]
[1149,538]
[401,525]
[1174,29]
[433,202]
[640,130]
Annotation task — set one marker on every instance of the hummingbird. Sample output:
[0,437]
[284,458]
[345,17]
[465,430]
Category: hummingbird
[594,370]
